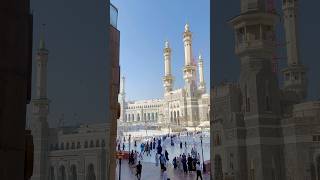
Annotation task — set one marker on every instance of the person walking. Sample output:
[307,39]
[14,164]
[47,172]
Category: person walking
[180,144]
[165,174]
[189,163]
[166,155]
[162,161]
[199,170]
[123,147]
[184,163]
[139,170]
[174,162]
[157,159]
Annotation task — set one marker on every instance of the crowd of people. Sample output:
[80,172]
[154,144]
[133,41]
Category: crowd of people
[185,162]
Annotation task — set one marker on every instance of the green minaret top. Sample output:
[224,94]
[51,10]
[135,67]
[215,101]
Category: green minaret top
[42,44]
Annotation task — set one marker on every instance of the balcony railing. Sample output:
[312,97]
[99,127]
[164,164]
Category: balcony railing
[113,16]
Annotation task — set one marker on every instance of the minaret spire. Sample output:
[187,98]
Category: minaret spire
[42,59]
[42,44]
[202,84]
[189,67]
[168,78]
[39,125]
[295,74]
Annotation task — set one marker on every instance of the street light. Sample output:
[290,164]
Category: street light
[129,142]
[120,156]
[204,167]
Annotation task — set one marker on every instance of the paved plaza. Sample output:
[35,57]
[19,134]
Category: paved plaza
[152,172]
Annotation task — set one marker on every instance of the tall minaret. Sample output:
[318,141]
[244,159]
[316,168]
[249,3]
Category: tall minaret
[202,84]
[254,45]
[189,66]
[295,74]
[39,124]
[122,98]
[168,78]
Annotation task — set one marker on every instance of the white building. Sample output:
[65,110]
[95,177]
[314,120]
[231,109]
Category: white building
[188,106]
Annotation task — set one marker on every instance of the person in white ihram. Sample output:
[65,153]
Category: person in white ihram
[198,168]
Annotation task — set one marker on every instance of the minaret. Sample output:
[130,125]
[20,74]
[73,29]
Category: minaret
[255,46]
[295,74]
[189,69]
[168,78]
[202,84]
[122,98]
[39,125]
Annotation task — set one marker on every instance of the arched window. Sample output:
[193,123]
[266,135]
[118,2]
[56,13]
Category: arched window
[91,143]
[152,116]
[138,117]
[90,173]
[62,173]
[73,146]
[148,116]
[133,117]
[56,147]
[78,145]
[51,173]
[171,116]
[73,173]
[86,144]
[175,117]
[97,143]
[129,118]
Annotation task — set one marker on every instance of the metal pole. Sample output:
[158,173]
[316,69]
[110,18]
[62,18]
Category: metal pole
[119,168]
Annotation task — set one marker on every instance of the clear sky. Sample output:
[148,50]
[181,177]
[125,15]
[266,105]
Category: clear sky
[76,39]
[144,26]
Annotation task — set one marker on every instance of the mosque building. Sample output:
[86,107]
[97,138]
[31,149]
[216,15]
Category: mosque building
[262,129]
[186,107]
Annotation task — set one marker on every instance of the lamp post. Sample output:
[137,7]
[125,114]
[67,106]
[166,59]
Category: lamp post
[119,156]
[129,142]
[204,167]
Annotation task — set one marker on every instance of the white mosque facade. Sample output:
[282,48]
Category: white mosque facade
[186,107]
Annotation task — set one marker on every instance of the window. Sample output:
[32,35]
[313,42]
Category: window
[97,143]
[103,144]
[67,145]
[73,146]
[316,138]
[268,108]
[78,145]
[91,143]
[86,144]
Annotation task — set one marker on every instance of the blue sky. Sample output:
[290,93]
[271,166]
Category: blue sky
[144,26]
